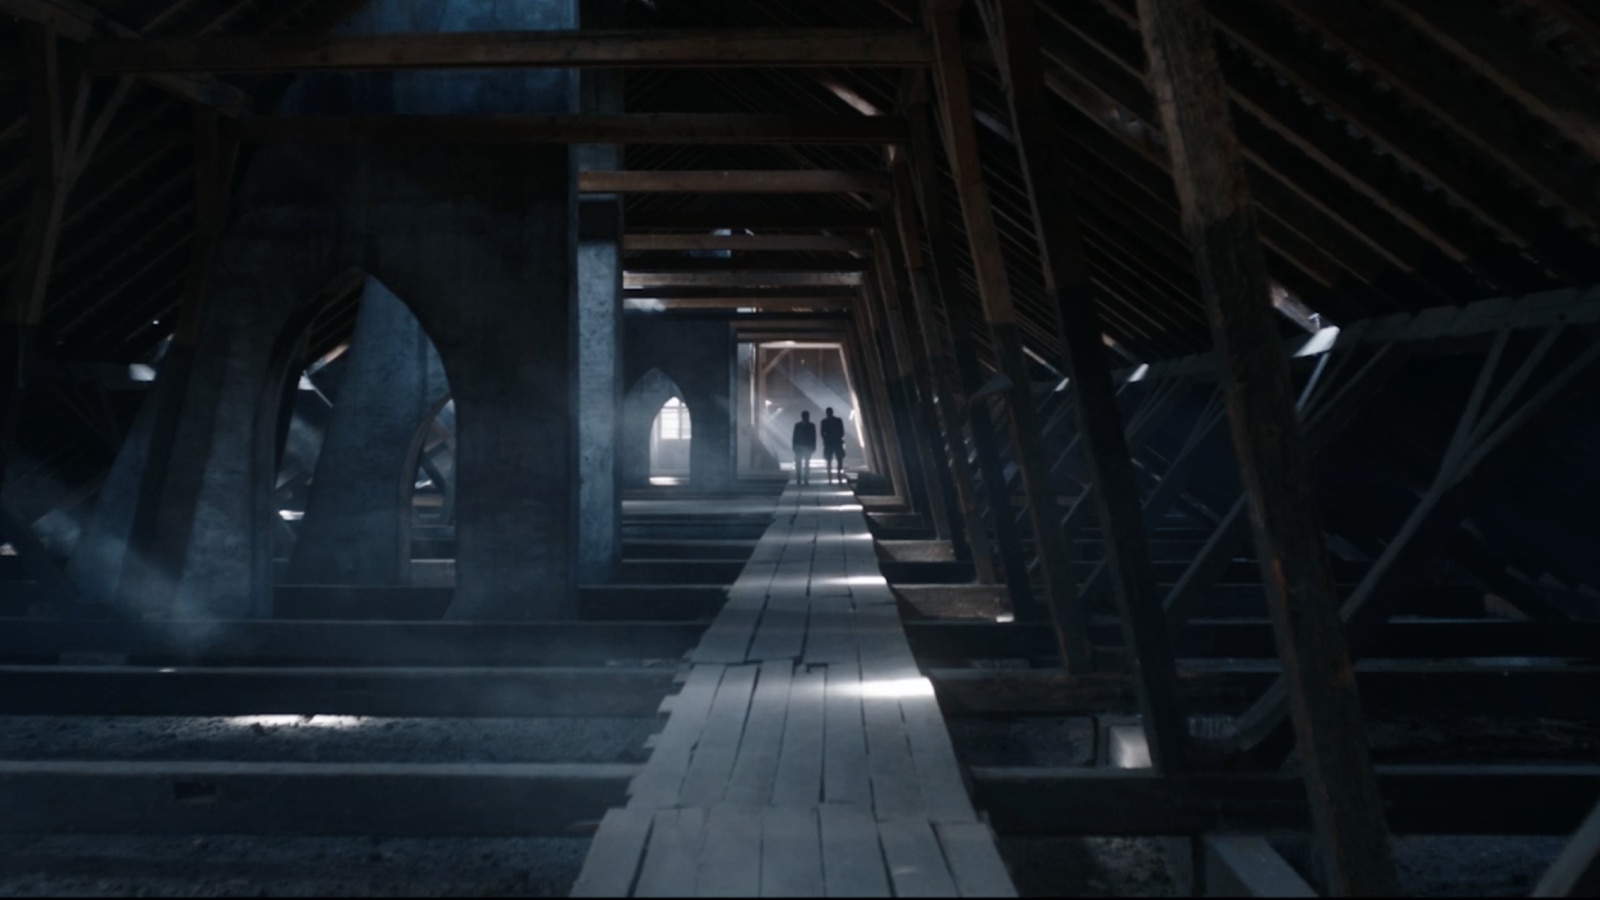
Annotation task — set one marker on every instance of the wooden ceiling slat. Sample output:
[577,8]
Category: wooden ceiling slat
[1512,62]
[1452,101]
[649,128]
[887,48]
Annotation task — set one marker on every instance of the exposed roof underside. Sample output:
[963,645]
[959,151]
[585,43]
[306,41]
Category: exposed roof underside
[1404,154]
[1396,163]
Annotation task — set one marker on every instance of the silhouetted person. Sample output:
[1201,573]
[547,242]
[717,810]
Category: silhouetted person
[833,442]
[804,443]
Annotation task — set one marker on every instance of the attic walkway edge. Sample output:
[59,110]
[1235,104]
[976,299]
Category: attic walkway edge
[806,754]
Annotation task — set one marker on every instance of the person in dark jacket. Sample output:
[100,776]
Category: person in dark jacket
[804,444]
[833,443]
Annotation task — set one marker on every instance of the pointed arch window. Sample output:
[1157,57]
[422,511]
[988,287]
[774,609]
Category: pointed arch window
[672,424]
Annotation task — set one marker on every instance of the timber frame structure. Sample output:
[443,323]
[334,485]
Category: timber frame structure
[1249,344]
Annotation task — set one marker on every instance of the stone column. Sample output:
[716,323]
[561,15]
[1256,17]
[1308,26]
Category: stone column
[597,315]
[357,527]
[712,464]
[477,242]
[698,356]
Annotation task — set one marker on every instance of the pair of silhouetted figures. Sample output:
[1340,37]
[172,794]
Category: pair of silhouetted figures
[804,444]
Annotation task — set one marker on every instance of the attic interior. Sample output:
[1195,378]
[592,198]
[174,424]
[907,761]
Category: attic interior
[404,491]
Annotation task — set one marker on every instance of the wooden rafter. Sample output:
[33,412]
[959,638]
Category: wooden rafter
[1386,50]
[1115,493]
[1000,315]
[1209,171]
[556,49]
[78,21]
[730,182]
[1511,62]
[759,243]
[650,128]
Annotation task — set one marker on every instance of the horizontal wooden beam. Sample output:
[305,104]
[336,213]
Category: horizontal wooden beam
[1417,800]
[731,182]
[1575,306]
[740,293]
[346,643]
[350,691]
[600,603]
[755,262]
[729,47]
[796,323]
[756,218]
[753,301]
[1386,688]
[643,128]
[744,279]
[1236,865]
[758,243]
[80,22]
[1227,639]
[308,798]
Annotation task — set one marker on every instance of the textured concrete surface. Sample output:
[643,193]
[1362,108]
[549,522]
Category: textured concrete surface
[357,525]
[435,224]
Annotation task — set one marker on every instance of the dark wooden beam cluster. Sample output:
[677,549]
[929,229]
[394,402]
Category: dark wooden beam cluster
[1220,221]
[1125,176]
[549,49]
[642,128]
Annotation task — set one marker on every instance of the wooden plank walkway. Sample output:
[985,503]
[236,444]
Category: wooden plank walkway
[806,754]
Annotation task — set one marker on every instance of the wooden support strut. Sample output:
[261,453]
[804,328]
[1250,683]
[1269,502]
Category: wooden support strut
[61,140]
[1323,418]
[730,182]
[216,149]
[1386,52]
[972,409]
[871,356]
[1485,424]
[1219,218]
[787,47]
[760,243]
[902,238]
[900,390]
[943,498]
[961,142]
[650,128]
[77,21]
[1110,467]
[1576,872]
[1517,65]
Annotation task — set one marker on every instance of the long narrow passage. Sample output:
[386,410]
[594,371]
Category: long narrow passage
[805,754]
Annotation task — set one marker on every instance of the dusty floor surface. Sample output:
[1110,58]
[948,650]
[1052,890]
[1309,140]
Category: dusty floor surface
[1427,866]
[324,739]
[212,866]
[1087,867]
[241,866]
[1434,866]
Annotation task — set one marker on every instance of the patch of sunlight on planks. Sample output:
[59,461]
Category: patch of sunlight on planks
[805,754]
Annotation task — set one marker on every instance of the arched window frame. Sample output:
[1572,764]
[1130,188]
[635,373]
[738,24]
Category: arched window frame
[672,423]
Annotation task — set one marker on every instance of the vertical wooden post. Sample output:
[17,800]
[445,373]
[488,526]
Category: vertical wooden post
[61,141]
[870,364]
[999,311]
[974,411]
[1110,467]
[899,396]
[1347,814]
[35,253]
[911,374]
[216,151]
[902,239]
